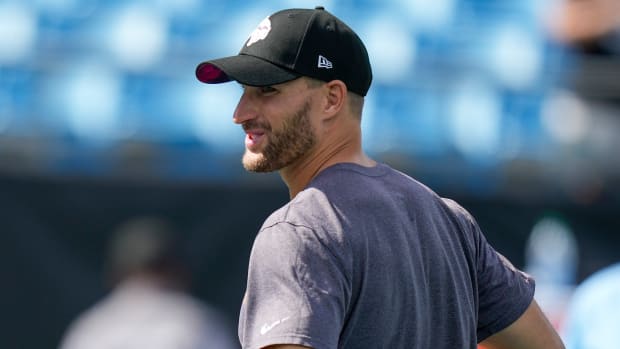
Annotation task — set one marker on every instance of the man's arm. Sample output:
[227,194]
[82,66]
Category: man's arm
[286,346]
[531,331]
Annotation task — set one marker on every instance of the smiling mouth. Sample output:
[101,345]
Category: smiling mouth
[253,139]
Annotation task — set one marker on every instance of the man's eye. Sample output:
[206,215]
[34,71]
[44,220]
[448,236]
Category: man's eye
[267,89]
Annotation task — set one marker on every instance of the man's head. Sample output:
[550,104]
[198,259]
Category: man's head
[297,68]
[293,43]
[145,247]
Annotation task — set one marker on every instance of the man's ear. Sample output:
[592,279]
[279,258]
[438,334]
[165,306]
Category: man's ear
[335,96]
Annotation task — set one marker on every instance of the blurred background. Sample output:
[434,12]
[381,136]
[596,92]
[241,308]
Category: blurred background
[510,107]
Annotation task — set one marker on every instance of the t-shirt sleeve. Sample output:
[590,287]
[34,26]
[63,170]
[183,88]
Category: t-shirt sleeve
[296,290]
[504,292]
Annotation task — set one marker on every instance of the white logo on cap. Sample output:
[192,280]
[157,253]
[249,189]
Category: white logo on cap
[324,63]
[260,32]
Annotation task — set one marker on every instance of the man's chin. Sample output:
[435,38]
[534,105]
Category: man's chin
[253,162]
[254,168]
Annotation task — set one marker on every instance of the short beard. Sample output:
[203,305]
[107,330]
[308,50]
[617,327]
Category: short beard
[285,146]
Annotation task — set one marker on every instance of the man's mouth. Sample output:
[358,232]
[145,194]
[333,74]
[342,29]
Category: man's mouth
[253,139]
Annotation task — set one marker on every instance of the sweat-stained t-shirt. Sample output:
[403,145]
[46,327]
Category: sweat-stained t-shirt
[370,258]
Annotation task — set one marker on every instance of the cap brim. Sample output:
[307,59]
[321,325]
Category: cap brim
[245,69]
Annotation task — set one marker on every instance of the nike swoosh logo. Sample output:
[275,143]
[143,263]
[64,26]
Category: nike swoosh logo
[268,327]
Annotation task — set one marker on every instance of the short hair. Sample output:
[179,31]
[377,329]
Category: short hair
[356,103]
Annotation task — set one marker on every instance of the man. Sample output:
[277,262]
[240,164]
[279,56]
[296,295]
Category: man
[149,306]
[362,256]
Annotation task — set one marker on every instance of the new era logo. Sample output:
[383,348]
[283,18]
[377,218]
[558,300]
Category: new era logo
[324,63]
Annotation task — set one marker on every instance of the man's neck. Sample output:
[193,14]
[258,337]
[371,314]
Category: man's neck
[297,176]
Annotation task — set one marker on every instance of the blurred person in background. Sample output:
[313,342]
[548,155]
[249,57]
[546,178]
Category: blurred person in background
[592,25]
[593,318]
[149,305]
[591,28]
[362,256]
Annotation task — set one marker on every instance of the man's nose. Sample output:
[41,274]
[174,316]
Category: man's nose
[246,110]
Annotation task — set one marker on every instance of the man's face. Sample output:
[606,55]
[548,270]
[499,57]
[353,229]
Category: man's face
[278,125]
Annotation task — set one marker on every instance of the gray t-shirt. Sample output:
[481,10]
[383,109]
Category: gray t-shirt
[370,258]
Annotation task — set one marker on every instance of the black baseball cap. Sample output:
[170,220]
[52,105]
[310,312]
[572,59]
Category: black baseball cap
[293,43]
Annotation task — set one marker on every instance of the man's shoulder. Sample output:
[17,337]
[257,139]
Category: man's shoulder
[308,206]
